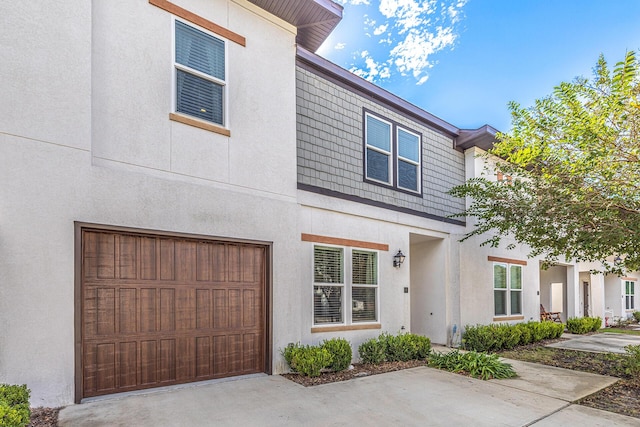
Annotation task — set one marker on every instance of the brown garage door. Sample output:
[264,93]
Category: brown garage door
[160,310]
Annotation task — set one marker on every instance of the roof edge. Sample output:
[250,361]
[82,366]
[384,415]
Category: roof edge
[484,137]
[375,91]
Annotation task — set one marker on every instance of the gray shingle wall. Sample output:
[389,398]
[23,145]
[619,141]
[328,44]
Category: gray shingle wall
[330,149]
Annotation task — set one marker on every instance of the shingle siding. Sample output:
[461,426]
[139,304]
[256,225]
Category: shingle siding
[330,148]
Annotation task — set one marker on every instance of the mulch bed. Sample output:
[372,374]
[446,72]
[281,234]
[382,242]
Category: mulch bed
[44,417]
[359,370]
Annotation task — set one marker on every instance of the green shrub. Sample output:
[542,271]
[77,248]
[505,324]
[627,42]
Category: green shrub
[583,325]
[394,348]
[632,361]
[14,405]
[288,353]
[341,353]
[496,337]
[372,351]
[477,365]
[405,347]
[636,315]
[308,360]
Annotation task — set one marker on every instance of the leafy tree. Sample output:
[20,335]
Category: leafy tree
[573,162]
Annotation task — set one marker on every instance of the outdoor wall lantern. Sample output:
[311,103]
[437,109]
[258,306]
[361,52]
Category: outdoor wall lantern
[617,260]
[398,259]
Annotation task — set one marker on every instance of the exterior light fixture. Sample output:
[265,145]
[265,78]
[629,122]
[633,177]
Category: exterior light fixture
[398,259]
[617,260]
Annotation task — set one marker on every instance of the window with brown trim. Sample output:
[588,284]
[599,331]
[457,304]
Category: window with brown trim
[341,275]
[200,74]
[507,289]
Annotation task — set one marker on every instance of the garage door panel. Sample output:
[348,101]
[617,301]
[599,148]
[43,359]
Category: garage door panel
[128,257]
[128,364]
[167,369]
[220,355]
[167,310]
[203,357]
[148,362]
[203,262]
[234,353]
[250,351]
[185,366]
[148,259]
[203,309]
[106,367]
[128,310]
[234,264]
[106,311]
[185,308]
[159,311]
[185,269]
[250,308]
[235,308]
[220,309]
[148,310]
[167,259]
[105,256]
[218,254]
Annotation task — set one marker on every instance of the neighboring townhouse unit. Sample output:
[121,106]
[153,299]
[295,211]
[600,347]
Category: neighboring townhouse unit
[373,177]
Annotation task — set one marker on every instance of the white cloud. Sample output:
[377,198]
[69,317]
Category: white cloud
[414,31]
[340,46]
[380,29]
[354,2]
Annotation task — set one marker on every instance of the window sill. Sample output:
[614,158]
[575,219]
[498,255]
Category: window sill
[199,124]
[507,318]
[345,328]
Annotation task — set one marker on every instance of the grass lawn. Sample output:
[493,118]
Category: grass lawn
[620,331]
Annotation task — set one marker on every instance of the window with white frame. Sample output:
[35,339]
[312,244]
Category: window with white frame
[507,289]
[200,74]
[629,294]
[392,154]
[333,286]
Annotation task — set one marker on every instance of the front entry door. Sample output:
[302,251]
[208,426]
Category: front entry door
[585,286]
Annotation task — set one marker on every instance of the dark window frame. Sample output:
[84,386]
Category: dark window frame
[394,159]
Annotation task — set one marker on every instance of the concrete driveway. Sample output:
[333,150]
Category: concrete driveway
[598,343]
[421,396]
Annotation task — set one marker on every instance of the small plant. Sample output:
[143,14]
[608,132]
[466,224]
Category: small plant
[636,315]
[372,351]
[340,351]
[632,361]
[583,325]
[477,365]
[14,405]
[288,353]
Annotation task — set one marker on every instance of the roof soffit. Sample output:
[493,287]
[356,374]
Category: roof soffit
[314,19]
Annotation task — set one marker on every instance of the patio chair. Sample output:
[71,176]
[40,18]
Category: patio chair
[552,316]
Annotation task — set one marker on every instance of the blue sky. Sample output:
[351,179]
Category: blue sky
[464,60]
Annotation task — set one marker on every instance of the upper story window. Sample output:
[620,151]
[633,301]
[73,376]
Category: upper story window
[200,74]
[507,289]
[392,154]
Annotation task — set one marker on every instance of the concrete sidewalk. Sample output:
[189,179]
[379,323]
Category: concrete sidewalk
[422,396]
[606,342]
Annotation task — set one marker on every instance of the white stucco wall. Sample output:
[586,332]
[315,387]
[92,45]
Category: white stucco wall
[87,138]
[327,216]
